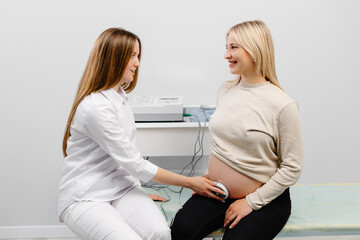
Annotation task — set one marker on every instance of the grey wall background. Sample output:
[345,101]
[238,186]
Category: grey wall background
[44,47]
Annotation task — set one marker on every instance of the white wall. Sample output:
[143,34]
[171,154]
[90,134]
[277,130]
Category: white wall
[44,46]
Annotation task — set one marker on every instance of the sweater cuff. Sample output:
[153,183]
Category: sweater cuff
[253,202]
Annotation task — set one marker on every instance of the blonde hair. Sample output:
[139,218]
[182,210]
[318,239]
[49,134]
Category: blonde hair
[105,67]
[255,38]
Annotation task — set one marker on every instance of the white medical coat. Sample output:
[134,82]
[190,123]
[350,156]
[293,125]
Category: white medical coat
[103,162]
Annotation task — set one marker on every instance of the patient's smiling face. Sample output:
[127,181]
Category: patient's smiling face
[240,61]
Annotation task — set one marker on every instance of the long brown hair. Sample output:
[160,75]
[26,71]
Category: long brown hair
[255,38]
[105,67]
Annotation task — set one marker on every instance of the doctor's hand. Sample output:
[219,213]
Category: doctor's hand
[205,187]
[236,211]
[206,176]
[156,197]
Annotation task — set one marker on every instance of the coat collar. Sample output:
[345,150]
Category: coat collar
[114,96]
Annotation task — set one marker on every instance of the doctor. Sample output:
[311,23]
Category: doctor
[100,196]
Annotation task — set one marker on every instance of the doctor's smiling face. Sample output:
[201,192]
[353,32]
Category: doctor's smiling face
[240,61]
[132,66]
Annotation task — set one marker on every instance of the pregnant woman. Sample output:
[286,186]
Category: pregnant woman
[256,148]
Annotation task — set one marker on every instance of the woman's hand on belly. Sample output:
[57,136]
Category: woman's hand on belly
[236,211]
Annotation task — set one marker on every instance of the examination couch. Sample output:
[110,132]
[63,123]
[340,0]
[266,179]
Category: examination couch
[317,209]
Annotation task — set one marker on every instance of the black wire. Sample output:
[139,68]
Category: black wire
[199,142]
[193,163]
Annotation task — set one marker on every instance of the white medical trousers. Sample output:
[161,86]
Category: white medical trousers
[132,217]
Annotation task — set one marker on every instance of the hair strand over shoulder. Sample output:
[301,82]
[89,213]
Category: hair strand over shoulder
[105,67]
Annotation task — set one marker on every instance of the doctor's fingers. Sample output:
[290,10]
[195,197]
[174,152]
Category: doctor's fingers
[211,194]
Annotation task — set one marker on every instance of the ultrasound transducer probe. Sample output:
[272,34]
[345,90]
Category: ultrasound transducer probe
[223,188]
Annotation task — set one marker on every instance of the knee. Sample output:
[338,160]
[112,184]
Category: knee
[180,230]
[161,232]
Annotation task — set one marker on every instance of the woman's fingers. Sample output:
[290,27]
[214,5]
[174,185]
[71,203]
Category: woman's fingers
[213,195]
[229,216]
[237,219]
[214,192]
[156,197]
[215,189]
[206,187]
[237,210]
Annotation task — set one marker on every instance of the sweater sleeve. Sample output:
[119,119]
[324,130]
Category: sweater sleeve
[290,152]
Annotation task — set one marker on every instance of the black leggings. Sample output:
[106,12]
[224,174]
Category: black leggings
[201,215]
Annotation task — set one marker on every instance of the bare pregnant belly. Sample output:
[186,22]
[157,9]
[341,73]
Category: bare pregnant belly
[238,184]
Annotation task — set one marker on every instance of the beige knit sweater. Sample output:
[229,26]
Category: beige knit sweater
[256,130]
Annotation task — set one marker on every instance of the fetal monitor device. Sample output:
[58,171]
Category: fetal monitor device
[158,109]
[223,188]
